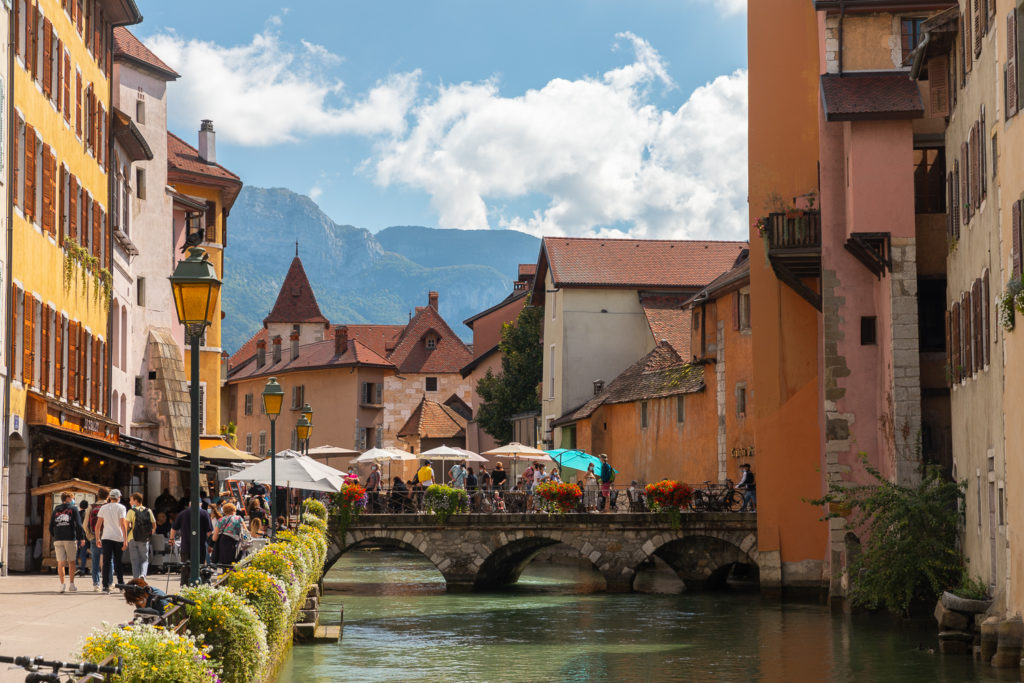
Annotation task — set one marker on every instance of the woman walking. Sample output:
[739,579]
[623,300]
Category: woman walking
[226,534]
[590,489]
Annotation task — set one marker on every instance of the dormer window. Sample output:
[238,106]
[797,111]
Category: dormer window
[431,342]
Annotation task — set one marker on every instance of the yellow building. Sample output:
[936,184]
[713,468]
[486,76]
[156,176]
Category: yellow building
[60,256]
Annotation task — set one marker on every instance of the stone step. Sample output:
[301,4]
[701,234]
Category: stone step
[308,616]
[305,632]
[327,634]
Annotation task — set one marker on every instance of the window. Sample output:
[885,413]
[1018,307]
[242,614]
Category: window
[248,442]
[910,35]
[741,400]
[248,404]
[931,314]
[743,310]
[372,393]
[295,439]
[551,390]
[929,180]
[868,330]
[298,396]
[140,183]
[431,343]
[643,414]
[263,443]
[140,110]
[680,409]
[431,384]
[140,291]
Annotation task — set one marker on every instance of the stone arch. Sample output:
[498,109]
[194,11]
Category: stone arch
[505,561]
[705,559]
[406,540]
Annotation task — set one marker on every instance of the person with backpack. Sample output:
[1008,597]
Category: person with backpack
[92,516]
[67,533]
[141,524]
[112,536]
[607,477]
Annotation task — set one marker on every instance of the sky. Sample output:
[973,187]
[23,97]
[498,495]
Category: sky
[616,118]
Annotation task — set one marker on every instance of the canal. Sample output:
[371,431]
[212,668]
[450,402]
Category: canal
[401,625]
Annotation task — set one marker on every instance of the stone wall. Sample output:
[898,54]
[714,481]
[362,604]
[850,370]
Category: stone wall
[403,392]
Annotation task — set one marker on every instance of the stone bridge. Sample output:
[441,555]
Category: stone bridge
[481,551]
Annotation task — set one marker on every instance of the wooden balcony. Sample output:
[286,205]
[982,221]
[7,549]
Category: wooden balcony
[793,241]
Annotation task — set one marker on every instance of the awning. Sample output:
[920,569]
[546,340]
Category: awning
[216,449]
[131,452]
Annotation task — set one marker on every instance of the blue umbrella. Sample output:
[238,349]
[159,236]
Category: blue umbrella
[576,459]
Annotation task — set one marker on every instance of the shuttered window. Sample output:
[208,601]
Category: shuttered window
[938,87]
[44,349]
[14,329]
[72,361]
[1015,231]
[211,222]
[78,105]
[28,338]
[978,335]
[49,207]
[67,88]
[30,173]
[47,42]
[58,354]
[1010,70]
[986,323]
[955,334]
[73,208]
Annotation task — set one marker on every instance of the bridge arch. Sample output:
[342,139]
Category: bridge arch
[413,542]
[704,559]
[505,560]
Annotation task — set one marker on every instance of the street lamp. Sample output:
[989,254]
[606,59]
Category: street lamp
[307,413]
[196,289]
[302,430]
[273,397]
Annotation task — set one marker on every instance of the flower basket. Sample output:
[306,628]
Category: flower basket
[559,497]
[445,501]
[670,497]
[347,504]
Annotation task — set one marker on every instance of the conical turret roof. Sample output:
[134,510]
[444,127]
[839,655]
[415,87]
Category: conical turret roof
[295,302]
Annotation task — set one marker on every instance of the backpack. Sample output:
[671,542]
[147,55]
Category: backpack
[143,529]
[94,515]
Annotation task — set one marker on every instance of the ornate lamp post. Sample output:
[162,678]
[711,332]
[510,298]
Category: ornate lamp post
[273,397]
[196,289]
[307,414]
[303,429]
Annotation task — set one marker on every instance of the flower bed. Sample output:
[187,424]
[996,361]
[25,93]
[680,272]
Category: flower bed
[444,501]
[237,630]
[559,497]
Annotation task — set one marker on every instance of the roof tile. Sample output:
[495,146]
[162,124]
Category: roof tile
[433,420]
[296,302]
[668,321]
[412,355]
[871,95]
[127,45]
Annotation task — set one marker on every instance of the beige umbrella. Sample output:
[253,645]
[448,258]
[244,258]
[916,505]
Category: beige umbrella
[516,450]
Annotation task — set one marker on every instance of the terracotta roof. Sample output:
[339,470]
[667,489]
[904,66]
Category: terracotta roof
[316,355]
[870,96]
[511,298]
[668,320]
[527,270]
[248,349]
[477,360]
[296,302]
[644,264]
[433,420]
[381,338]
[127,46]
[735,278]
[659,374]
[183,163]
[412,355]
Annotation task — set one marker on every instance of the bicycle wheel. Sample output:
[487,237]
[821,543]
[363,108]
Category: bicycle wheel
[732,501]
[699,501]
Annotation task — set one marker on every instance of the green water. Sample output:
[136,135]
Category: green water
[401,625]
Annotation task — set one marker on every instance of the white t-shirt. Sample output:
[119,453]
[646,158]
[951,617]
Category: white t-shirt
[112,514]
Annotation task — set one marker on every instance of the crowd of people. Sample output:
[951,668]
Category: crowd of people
[93,538]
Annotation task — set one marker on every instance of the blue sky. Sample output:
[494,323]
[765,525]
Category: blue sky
[575,117]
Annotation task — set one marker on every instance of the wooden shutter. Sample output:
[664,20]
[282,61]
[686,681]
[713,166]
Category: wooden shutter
[78,104]
[81,11]
[972,150]
[982,157]
[977,28]
[1015,231]
[955,208]
[58,71]
[62,212]
[938,87]
[966,314]
[44,349]
[31,15]
[1011,63]
[49,191]
[13,333]
[964,186]
[72,360]
[968,45]
[97,236]
[104,389]
[949,348]
[30,172]
[956,342]
[977,335]
[47,57]
[28,338]
[58,355]
[950,206]
[211,222]
[103,239]
[986,327]
[16,161]
[17,33]
[735,310]
[95,403]
[67,88]
[97,41]
[380,393]
[73,203]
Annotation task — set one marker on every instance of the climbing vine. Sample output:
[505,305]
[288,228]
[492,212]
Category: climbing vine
[88,267]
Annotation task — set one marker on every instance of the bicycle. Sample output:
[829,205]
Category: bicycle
[716,498]
[58,671]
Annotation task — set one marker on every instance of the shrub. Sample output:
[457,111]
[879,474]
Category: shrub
[267,596]
[151,653]
[294,552]
[558,496]
[271,560]
[237,637]
[314,521]
[971,588]
[314,507]
[317,539]
[304,545]
[444,501]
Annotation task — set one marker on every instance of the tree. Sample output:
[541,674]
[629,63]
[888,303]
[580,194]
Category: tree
[522,365]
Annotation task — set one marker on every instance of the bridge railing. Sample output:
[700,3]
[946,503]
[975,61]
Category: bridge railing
[707,498]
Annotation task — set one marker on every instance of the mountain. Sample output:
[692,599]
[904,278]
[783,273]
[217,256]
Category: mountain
[359,277]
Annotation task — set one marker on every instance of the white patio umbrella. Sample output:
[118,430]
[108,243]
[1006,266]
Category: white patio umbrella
[296,471]
[516,450]
[330,450]
[445,453]
[388,455]
[470,456]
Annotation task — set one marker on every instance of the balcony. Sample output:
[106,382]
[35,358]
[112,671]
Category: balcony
[793,243]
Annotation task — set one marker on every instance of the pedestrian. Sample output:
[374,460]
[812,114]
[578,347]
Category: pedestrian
[539,475]
[373,488]
[351,478]
[425,476]
[555,476]
[255,510]
[141,526]
[590,489]
[282,523]
[95,556]
[749,488]
[227,532]
[499,478]
[528,476]
[183,527]
[256,528]
[457,474]
[112,537]
[164,502]
[67,534]
[83,548]
[257,489]
[163,525]
[607,475]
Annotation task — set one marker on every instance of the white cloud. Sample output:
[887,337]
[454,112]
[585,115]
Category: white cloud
[267,92]
[729,7]
[315,192]
[607,160]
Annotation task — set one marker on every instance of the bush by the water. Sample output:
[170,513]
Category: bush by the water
[237,637]
[267,596]
[151,653]
[445,501]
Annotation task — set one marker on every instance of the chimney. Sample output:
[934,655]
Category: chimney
[261,353]
[207,142]
[295,345]
[340,340]
[277,349]
[432,299]
[598,386]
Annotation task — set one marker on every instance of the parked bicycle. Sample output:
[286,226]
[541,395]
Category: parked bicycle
[716,498]
[59,672]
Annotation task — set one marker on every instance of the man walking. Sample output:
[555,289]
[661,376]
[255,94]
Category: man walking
[141,523]
[112,537]
[749,488]
[373,487]
[183,527]
[67,533]
[458,476]
[426,475]
[607,476]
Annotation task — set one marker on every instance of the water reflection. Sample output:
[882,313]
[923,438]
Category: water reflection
[400,624]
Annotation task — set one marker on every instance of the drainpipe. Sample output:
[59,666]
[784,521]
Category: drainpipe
[109,246]
[4,492]
[915,68]
[842,15]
